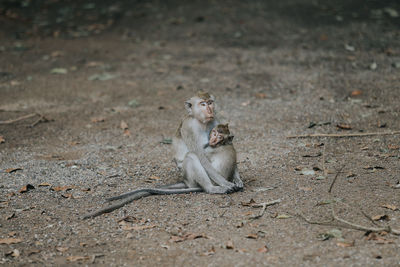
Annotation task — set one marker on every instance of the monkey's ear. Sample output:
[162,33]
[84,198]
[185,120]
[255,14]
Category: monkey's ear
[188,107]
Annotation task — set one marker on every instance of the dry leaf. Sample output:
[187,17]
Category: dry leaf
[9,217]
[164,246]
[9,241]
[244,104]
[189,236]
[127,133]
[77,258]
[263,249]
[356,93]
[379,239]
[306,189]
[98,119]
[62,249]
[2,140]
[283,216]
[250,203]
[344,126]
[44,184]
[345,244]
[380,217]
[11,234]
[252,236]
[229,245]
[394,147]
[32,251]
[176,239]
[26,188]
[57,54]
[11,170]
[67,196]
[323,37]
[93,64]
[261,95]
[152,179]
[137,227]
[15,253]
[240,225]
[123,125]
[62,188]
[388,206]
[209,252]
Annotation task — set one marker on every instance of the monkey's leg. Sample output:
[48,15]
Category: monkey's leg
[195,175]
[130,193]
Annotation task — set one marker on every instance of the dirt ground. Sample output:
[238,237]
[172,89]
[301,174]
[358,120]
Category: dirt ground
[108,80]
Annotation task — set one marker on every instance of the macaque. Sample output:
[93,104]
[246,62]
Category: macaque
[219,150]
[191,136]
[203,151]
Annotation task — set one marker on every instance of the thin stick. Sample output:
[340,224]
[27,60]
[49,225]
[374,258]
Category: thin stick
[41,119]
[20,118]
[363,228]
[314,222]
[323,162]
[264,206]
[334,179]
[343,135]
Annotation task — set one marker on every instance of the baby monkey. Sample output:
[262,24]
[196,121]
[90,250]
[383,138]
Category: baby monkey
[220,152]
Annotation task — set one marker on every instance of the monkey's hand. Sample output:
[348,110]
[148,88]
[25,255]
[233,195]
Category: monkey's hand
[237,181]
[238,185]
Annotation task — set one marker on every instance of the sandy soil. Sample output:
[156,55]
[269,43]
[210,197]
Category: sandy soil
[276,69]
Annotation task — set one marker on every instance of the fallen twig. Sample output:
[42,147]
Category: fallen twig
[323,161]
[264,206]
[314,222]
[343,135]
[41,119]
[334,179]
[387,229]
[350,225]
[20,118]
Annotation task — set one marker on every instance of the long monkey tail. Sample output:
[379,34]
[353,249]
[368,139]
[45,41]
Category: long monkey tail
[142,193]
[130,193]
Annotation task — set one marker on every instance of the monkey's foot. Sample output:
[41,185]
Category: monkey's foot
[220,190]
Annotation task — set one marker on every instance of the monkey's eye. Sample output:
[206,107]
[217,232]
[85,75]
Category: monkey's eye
[210,102]
[203,104]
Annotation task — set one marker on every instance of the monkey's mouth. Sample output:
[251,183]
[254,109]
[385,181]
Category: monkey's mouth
[213,141]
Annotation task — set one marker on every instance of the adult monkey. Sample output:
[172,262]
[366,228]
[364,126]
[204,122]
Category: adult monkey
[191,136]
[190,142]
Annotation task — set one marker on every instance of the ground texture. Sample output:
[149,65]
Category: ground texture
[108,80]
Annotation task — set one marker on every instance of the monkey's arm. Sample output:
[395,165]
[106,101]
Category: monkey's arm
[196,147]
[130,193]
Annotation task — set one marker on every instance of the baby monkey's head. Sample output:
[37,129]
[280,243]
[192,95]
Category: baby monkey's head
[220,135]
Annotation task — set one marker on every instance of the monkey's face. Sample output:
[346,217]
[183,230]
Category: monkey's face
[206,108]
[215,138]
[201,108]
